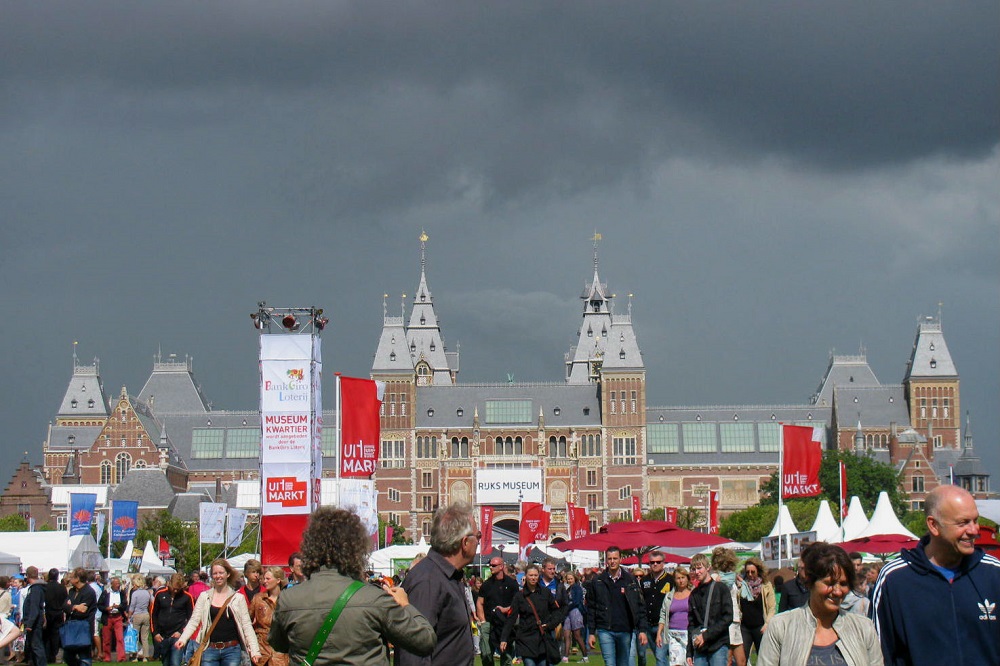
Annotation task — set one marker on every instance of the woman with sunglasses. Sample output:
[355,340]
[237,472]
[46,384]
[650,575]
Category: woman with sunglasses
[534,615]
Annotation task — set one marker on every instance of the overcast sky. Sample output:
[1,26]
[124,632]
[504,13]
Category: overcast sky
[773,181]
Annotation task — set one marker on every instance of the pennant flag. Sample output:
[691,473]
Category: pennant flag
[360,401]
[164,550]
[212,522]
[579,521]
[636,509]
[81,512]
[670,514]
[713,512]
[534,526]
[124,520]
[843,490]
[486,527]
[236,524]
[101,520]
[802,455]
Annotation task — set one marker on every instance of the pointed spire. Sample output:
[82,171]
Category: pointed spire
[75,360]
[596,238]
[968,431]
[385,306]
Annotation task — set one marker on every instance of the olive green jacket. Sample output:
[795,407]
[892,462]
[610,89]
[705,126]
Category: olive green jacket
[370,619]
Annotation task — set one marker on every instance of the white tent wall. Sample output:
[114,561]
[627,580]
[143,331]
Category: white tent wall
[856,520]
[884,520]
[825,526]
[48,550]
[9,564]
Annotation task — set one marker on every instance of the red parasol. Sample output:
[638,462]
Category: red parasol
[643,534]
[880,543]
[667,557]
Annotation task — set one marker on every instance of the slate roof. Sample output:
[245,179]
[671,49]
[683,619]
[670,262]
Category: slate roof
[85,394]
[930,356]
[184,506]
[563,405]
[69,438]
[147,486]
[844,371]
[392,354]
[622,348]
[171,388]
[873,406]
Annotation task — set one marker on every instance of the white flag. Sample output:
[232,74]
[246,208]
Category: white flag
[212,519]
[101,519]
[234,531]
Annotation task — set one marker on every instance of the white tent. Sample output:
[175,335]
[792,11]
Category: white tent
[784,523]
[48,550]
[825,526]
[884,520]
[150,564]
[9,564]
[856,521]
[388,560]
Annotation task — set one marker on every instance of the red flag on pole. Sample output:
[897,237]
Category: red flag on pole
[579,521]
[670,514]
[486,527]
[713,512]
[359,427]
[164,549]
[803,454]
[534,526]
[636,509]
[388,534]
[843,490]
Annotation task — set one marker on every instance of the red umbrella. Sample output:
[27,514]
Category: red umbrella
[880,543]
[988,539]
[630,536]
[667,557]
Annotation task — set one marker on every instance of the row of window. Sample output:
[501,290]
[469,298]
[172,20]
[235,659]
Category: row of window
[716,437]
[614,402]
[112,474]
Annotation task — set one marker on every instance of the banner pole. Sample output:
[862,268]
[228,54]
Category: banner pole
[781,483]
[340,435]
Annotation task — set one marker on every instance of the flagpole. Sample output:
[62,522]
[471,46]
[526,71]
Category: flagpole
[781,483]
[840,472]
[340,444]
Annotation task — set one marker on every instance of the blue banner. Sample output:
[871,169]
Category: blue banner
[124,520]
[81,512]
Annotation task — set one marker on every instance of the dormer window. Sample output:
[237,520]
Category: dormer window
[590,332]
[557,411]
[933,363]
[392,356]
[430,412]
[423,320]
[433,346]
[90,403]
[932,346]
[73,403]
[459,412]
[71,440]
[621,354]
[423,297]
[413,347]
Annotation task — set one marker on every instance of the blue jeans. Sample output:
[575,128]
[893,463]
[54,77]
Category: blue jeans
[170,655]
[717,658]
[616,646]
[230,656]
[528,661]
[660,653]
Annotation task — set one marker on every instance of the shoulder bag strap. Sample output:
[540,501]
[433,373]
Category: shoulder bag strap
[538,622]
[708,605]
[211,628]
[331,619]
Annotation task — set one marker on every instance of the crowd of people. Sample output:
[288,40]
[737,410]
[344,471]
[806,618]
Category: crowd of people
[934,604]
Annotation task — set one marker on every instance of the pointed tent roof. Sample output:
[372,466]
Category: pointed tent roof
[930,357]
[784,523]
[856,520]
[84,395]
[884,520]
[825,526]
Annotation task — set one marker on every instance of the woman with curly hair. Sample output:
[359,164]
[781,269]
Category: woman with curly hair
[756,597]
[262,610]
[724,563]
[334,551]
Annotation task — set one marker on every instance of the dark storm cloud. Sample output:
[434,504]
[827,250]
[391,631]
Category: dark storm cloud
[610,88]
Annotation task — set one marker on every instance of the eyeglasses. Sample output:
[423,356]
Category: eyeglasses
[496,564]
[652,562]
[478,535]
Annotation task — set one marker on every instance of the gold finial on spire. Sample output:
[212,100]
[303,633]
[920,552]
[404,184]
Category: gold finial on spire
[596,238]
[423,249]
[423,236]
[385,306]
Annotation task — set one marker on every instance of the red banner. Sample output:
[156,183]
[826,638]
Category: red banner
[164,549]
[486,527]
[670,514]
[713,512]
[803,453]
[579,521]
[636,509]
[359,427]
[843,491]
[534,526]
[388,534]
[280,537]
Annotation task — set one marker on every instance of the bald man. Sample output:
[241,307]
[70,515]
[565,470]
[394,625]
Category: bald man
[937,604]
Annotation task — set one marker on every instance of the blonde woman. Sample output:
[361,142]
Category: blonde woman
[234,627]
[262,611]
[756,598]
[673,627]
[140,601]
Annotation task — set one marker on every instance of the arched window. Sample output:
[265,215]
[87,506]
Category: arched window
[459,447]
[140,464]
[123,463]
[106,472]
[557,447]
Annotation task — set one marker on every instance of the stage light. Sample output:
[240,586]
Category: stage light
[289,322]
[320,323]
[259,321]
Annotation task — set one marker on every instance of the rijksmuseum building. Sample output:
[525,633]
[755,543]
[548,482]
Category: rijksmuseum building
[589,438]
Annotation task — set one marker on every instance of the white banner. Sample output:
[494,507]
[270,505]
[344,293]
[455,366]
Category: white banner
[211,521]
[360,496]
[282,346]
[287,488]
[101,520]
[507,486]
[285,437]
[236,523]
[286,386]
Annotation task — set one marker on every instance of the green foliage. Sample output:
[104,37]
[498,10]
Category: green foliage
[915,522]
[398,533]
[183,540]
[14,522]
[866,478]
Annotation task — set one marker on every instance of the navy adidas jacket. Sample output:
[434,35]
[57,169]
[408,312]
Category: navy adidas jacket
[923,619]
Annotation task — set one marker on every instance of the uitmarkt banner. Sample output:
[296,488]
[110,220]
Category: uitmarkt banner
[802,453]
[287,488]
[360,400]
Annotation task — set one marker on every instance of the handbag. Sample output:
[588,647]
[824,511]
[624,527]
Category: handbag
[75,634]
[552,653]
[331,619]
[196,657]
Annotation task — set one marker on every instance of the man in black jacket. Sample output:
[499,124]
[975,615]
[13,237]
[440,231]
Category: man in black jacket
[493,607]
[172,607]
[55,600]
[81,604]
[710,612]
[616,611]
[34,617]
[794,593]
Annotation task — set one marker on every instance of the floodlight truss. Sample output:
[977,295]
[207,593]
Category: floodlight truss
[289,320]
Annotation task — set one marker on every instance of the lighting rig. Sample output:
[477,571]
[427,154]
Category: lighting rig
[289,320]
